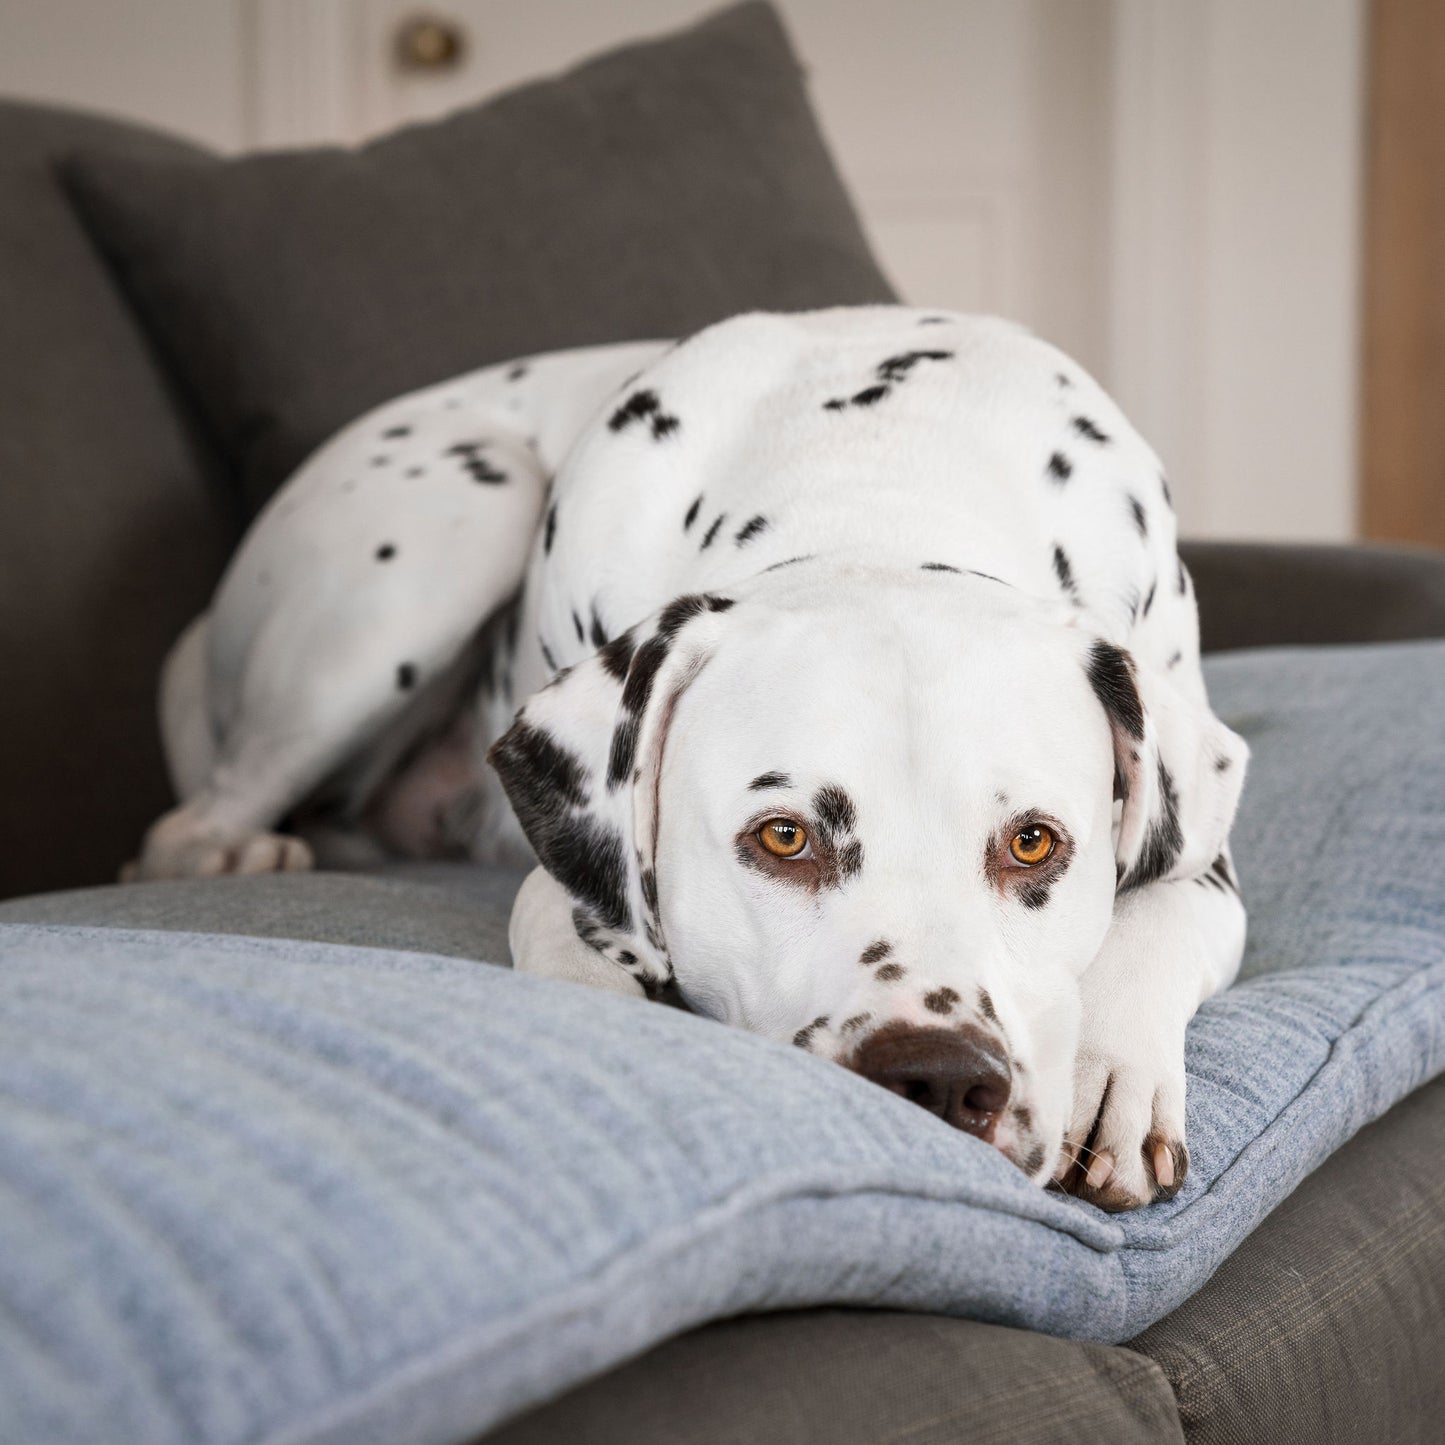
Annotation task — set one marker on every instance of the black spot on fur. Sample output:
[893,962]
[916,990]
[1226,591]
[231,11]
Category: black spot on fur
[890,973]
[1062,379]
[1182,580]
[479,469]
[836,404]
[940,1001]
[380,461]
[1086,428]
[850,859]
[385,552]
[547,656]
[416,471]
[1149,600]
[768,780]
[941,567]
[869,395]
[750,529]
[1060,468]
[393,433]
[1064,571]
[644,406]
[640,404]
[517,372]
[804,1037]
[1033,892]
[577,626]
[934,320]
[877,950]
[1164,839]
[617,655]
[1164,487]
[624,751]
[642,673]
[1220,869]
[550,535]
[896,368]
[789,561]
[597,632]
[1136,511]
[682,609]
[547,786]
[406,677]
[834,810]
[1111,675]
[1033,1159]
[692,512]
[852,1025]
[985,1006]
[1175,658]
[712,531]
[1223,763]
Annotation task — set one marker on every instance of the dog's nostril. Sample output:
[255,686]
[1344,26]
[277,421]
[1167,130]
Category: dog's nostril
[985,1099]
[958,1074]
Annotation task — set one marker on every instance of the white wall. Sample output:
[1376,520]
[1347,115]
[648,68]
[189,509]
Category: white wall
[179,64]
[1238,185]
[1168,188]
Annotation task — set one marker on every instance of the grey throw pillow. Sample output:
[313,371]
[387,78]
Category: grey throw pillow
[647,193]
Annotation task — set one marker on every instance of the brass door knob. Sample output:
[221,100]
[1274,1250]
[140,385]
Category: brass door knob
[430,42]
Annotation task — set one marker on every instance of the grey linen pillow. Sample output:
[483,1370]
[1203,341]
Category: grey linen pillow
[646,193]
[111,536]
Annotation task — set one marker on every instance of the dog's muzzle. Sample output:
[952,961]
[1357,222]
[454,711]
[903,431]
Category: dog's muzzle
[960,1074]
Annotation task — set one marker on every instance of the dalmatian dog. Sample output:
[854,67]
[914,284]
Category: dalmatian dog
[851,694]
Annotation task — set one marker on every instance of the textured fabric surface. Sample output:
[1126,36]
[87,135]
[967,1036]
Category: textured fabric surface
[1266,595]
[1329,1323]
[648,193]
[264,1190]
[443,908]
[850,1377]
[109,539]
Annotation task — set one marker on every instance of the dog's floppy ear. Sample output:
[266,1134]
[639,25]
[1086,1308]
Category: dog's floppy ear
[581,764]
[1177,769]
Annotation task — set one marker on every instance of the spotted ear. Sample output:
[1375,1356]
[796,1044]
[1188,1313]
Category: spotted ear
[581,764]
[1178,771]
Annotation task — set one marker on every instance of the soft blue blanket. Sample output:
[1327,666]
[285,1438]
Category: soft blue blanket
[253,1190]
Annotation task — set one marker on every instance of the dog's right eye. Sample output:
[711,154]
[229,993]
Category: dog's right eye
[782,837]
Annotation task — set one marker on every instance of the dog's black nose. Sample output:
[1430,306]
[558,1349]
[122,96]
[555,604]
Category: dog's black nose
[960,1074]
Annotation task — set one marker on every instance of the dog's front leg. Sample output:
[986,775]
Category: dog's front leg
[1170,946]
[545,942]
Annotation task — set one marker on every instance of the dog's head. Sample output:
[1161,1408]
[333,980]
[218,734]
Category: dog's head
[883,816]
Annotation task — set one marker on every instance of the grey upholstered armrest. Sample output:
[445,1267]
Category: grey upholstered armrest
[1262,595]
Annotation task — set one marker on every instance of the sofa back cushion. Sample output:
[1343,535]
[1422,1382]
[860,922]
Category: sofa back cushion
[110,532]
[646,193]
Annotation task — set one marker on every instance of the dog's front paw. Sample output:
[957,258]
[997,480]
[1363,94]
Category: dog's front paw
[180,846]
[1125,1143]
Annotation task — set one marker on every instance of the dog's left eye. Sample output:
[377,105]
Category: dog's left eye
[782,837]
[1032,844]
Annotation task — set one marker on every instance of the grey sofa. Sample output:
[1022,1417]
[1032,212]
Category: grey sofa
[115,520]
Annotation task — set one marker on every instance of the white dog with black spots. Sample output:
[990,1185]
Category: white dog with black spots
[860,706]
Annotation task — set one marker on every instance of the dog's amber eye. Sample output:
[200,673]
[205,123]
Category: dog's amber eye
[1032,844]
[782,837]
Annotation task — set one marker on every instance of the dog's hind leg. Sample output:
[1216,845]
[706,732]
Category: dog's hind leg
[355,593]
